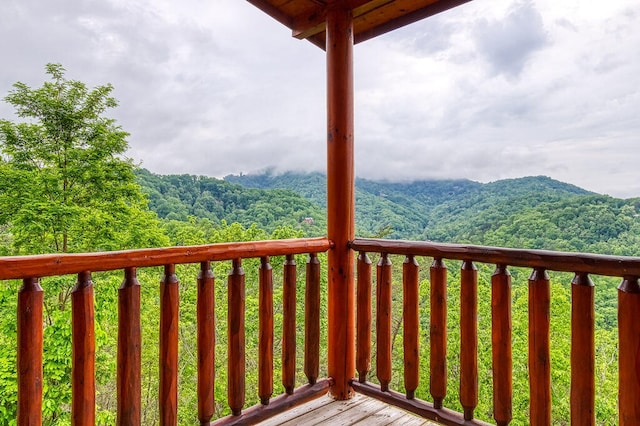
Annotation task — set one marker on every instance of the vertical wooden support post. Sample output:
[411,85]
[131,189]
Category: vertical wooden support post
[629,352]
[83,386]
[340,199]
[539,352]
[265,325]
[438,333]
[235,336]
[289,325]
[502,360]
[582,351]
[468,338]
[410,270]
[169,305]
[363,362]
[129,346]
[312,320]
[205,312]
[383,322]
[29,363]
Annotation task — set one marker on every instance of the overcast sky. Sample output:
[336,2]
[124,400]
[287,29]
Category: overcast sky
[490,90]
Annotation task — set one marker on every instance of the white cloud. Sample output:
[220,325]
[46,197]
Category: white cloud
[489,90]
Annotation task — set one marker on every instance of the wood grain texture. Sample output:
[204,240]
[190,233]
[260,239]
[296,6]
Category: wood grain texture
[468,338]
[383,321]
[83,386]
[29,362]
[582,351]
[129,347]
[595,264]
[205,317]
[629,352]
[236,362]
[340,200]
[20,267]
[411,329]
[169,314]
[502,360]
[312,320]
[438,332]
[289,325]
[363,361]
[539,351]
[265,330]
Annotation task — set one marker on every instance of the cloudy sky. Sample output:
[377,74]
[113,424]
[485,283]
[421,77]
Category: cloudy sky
[490,90]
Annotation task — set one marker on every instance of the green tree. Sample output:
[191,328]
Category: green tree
[65,185]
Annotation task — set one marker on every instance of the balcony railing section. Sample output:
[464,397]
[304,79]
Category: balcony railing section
[30,329]
[582,356]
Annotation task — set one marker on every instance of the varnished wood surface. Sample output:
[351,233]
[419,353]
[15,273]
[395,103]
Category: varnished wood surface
[129,350]
[38,266]
[361,410]
[597,264]
[206,342]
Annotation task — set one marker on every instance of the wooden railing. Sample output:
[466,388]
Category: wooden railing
[83,406]
[582,329]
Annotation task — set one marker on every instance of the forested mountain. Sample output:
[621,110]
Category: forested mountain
[530,212]
[180,197]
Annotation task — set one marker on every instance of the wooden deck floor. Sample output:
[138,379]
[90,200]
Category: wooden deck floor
[360,410]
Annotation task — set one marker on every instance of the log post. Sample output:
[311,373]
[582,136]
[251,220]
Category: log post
[29,364]
[168,387]
[410,306]
[265,326]
[582,351]
[340,199]
[312,320]
[502,360]
[364,317]
[629,358]
[539,350]
[83,385]
[129,345]
[236,338]
[205,312]
[289,325]
[383,322]
[438,333]
[468,338]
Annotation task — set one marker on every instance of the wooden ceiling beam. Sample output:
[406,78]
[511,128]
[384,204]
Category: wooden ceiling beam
[409,18]
[313,22]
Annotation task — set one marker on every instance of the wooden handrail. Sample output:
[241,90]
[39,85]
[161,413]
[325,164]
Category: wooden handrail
[597,264]
[30,348]
[582,400]
[47,265]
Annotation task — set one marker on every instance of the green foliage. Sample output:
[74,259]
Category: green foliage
[64,186]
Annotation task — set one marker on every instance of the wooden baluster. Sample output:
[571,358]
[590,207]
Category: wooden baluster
[582,351]
[83,386]
[629,352]
[363,362]
[236,339]
[289,325]
[265,340]
[29,363]
[169,305]
[539,353]
[312,320]
[438,333]
[383,322]
[206,342]
[410,270]
[501,345]
[468,338]
[129,346]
